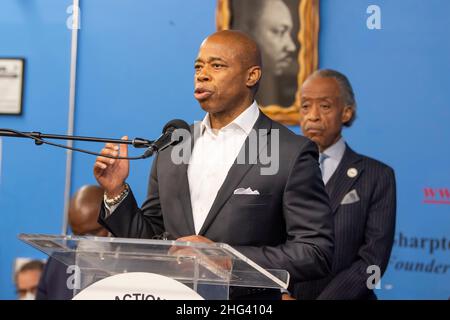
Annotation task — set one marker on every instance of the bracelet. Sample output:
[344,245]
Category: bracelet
[117,199]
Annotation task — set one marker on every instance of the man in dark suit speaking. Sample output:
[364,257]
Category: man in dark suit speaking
[279,216]
[362,192]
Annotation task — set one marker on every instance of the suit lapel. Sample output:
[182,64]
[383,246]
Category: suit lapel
[236,173]
[341,181]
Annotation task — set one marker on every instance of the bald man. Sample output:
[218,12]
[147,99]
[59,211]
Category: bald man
[83,211]
[279,218]
[83,214]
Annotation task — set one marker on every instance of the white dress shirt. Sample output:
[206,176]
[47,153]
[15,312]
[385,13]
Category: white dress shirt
[214,153]
[332,157]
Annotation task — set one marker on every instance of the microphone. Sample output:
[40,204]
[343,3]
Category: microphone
[167,139]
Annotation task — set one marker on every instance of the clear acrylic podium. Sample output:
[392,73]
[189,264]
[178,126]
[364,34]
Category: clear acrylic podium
[208,269]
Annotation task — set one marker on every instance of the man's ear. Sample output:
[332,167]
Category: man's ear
[253,76]
[347,114]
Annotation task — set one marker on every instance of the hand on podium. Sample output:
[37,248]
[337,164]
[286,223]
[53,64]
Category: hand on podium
[195,238]
[216,262]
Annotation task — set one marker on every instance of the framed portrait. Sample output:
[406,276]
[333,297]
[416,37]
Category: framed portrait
[11,85]
[287,33]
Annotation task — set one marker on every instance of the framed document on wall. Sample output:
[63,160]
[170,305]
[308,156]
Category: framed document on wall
[287,33]
[11,85]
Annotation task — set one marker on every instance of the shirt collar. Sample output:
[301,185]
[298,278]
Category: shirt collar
[245,121]
[336,151]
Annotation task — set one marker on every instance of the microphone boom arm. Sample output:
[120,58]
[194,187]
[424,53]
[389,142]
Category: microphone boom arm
[136,142]
[152,146]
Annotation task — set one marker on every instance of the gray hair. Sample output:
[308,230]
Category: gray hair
[345,87]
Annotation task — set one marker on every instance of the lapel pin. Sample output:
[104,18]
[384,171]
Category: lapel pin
[352,172]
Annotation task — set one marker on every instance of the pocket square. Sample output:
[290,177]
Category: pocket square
[245,191]
[350,197]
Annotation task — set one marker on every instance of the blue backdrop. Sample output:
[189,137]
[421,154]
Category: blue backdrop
[135,73]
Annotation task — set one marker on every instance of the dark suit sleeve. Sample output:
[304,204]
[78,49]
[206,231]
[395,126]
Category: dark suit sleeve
[351,283]
[53,284]
[41,293]
[308,249]
[130,221]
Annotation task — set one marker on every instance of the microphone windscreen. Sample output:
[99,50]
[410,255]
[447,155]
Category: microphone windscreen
[175,124]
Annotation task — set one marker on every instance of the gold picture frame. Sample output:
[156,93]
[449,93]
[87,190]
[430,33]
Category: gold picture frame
[306,15]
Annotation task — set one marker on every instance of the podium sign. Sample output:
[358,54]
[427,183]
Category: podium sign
[138,286]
